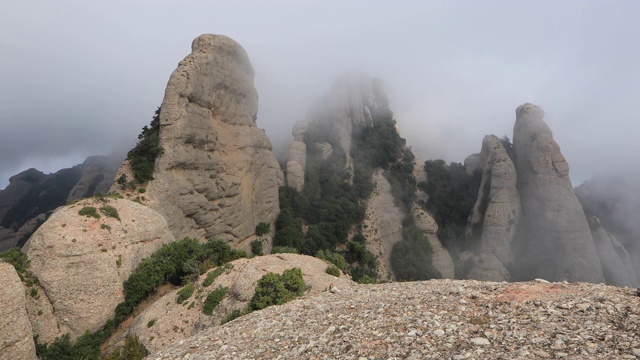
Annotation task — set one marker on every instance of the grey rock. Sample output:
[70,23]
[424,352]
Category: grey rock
[616,262]
[16,337]
[218,176]
[98,173]
[555,240]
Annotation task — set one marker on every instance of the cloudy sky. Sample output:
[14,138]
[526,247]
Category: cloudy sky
[79,78]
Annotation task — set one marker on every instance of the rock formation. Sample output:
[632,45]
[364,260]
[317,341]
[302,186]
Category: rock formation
[81,262]
[555,240]
[175,322]
[495,216]
[296,164]
[383,223]
[616,262]
[218,176]
[16,339]
[441,259]
[98,173]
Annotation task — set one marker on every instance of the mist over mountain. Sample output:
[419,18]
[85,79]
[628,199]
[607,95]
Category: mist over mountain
[452,70]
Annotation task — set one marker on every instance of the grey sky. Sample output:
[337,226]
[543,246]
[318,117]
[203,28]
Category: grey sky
[79,78]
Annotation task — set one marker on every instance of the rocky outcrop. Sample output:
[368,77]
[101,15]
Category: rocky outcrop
[382,226]
[296,164]
[615,200]
[218,176]
[173,322]
[495,217]
[555,242]
[16,339]
[616,262]
[98,173]
[440,258]
[81,262]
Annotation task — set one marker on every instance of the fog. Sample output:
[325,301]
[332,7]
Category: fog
[80,78]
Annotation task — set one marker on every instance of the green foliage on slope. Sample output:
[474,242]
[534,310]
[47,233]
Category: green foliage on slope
[142,157]
[276,289]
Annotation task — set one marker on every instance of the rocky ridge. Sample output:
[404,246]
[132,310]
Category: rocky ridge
[16,340]
[437,319]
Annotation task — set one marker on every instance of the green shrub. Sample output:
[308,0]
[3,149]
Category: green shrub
[20,262]
[142,190]
[232,316]
[132,350]
[89,211]
[276,289]
[284,250]
[105,227]
[33,292]
[262,229]
[151,323]
[334,258]
[110,211]
[212,275]
[213,299]
[142,157]
[185,293]
[332,270]
[256,247]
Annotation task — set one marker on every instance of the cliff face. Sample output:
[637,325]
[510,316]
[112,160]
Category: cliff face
[16,339]
[217,176]
[98,173]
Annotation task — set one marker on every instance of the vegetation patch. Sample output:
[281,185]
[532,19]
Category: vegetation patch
[284,250]
[213,299]
[105,227]
[232,316]
[132,350]
[212,275]
[89,211]
[142,157]
[110,211]
[332,270]
[276,289]
[262,229]
[256,247]
[185,293]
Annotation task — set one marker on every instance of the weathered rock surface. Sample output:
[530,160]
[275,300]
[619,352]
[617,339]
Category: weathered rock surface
[81,262]
[555,240]
[382,226]
[615,200]
[495,216]
[437,319]
[98,173]
[175,322]
[440,258]
[296,164]
[218,176]
[326,150]
[472,163]
[616,262]
[16,339]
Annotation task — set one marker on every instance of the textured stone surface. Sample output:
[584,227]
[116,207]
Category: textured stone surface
[383,223]
[495,216]
[218,176]
[441,259]
[16,339]
[296,164]
[616,262]
[81,262]
[175,322]
[556,243]
[437,319]
[325,149]
[98,173]
[473,163]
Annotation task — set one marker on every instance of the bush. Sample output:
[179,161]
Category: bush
[213,299]
[232,316]
[333,258]
[276,289]
[262,229]
[151,323]
[185,293]
[256,247]
[110,211]
[332,270]
[211,276]
[89,211]
[132,350]
[20,262]
[142,157]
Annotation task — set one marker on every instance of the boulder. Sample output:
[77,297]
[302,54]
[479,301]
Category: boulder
[218,176]
[440,258]
[555,242]
[16,337]
[81,261]
[295,175]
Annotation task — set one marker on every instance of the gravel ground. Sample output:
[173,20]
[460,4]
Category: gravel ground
[438,319]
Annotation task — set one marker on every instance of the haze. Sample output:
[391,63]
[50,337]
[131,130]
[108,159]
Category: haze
[80,78]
